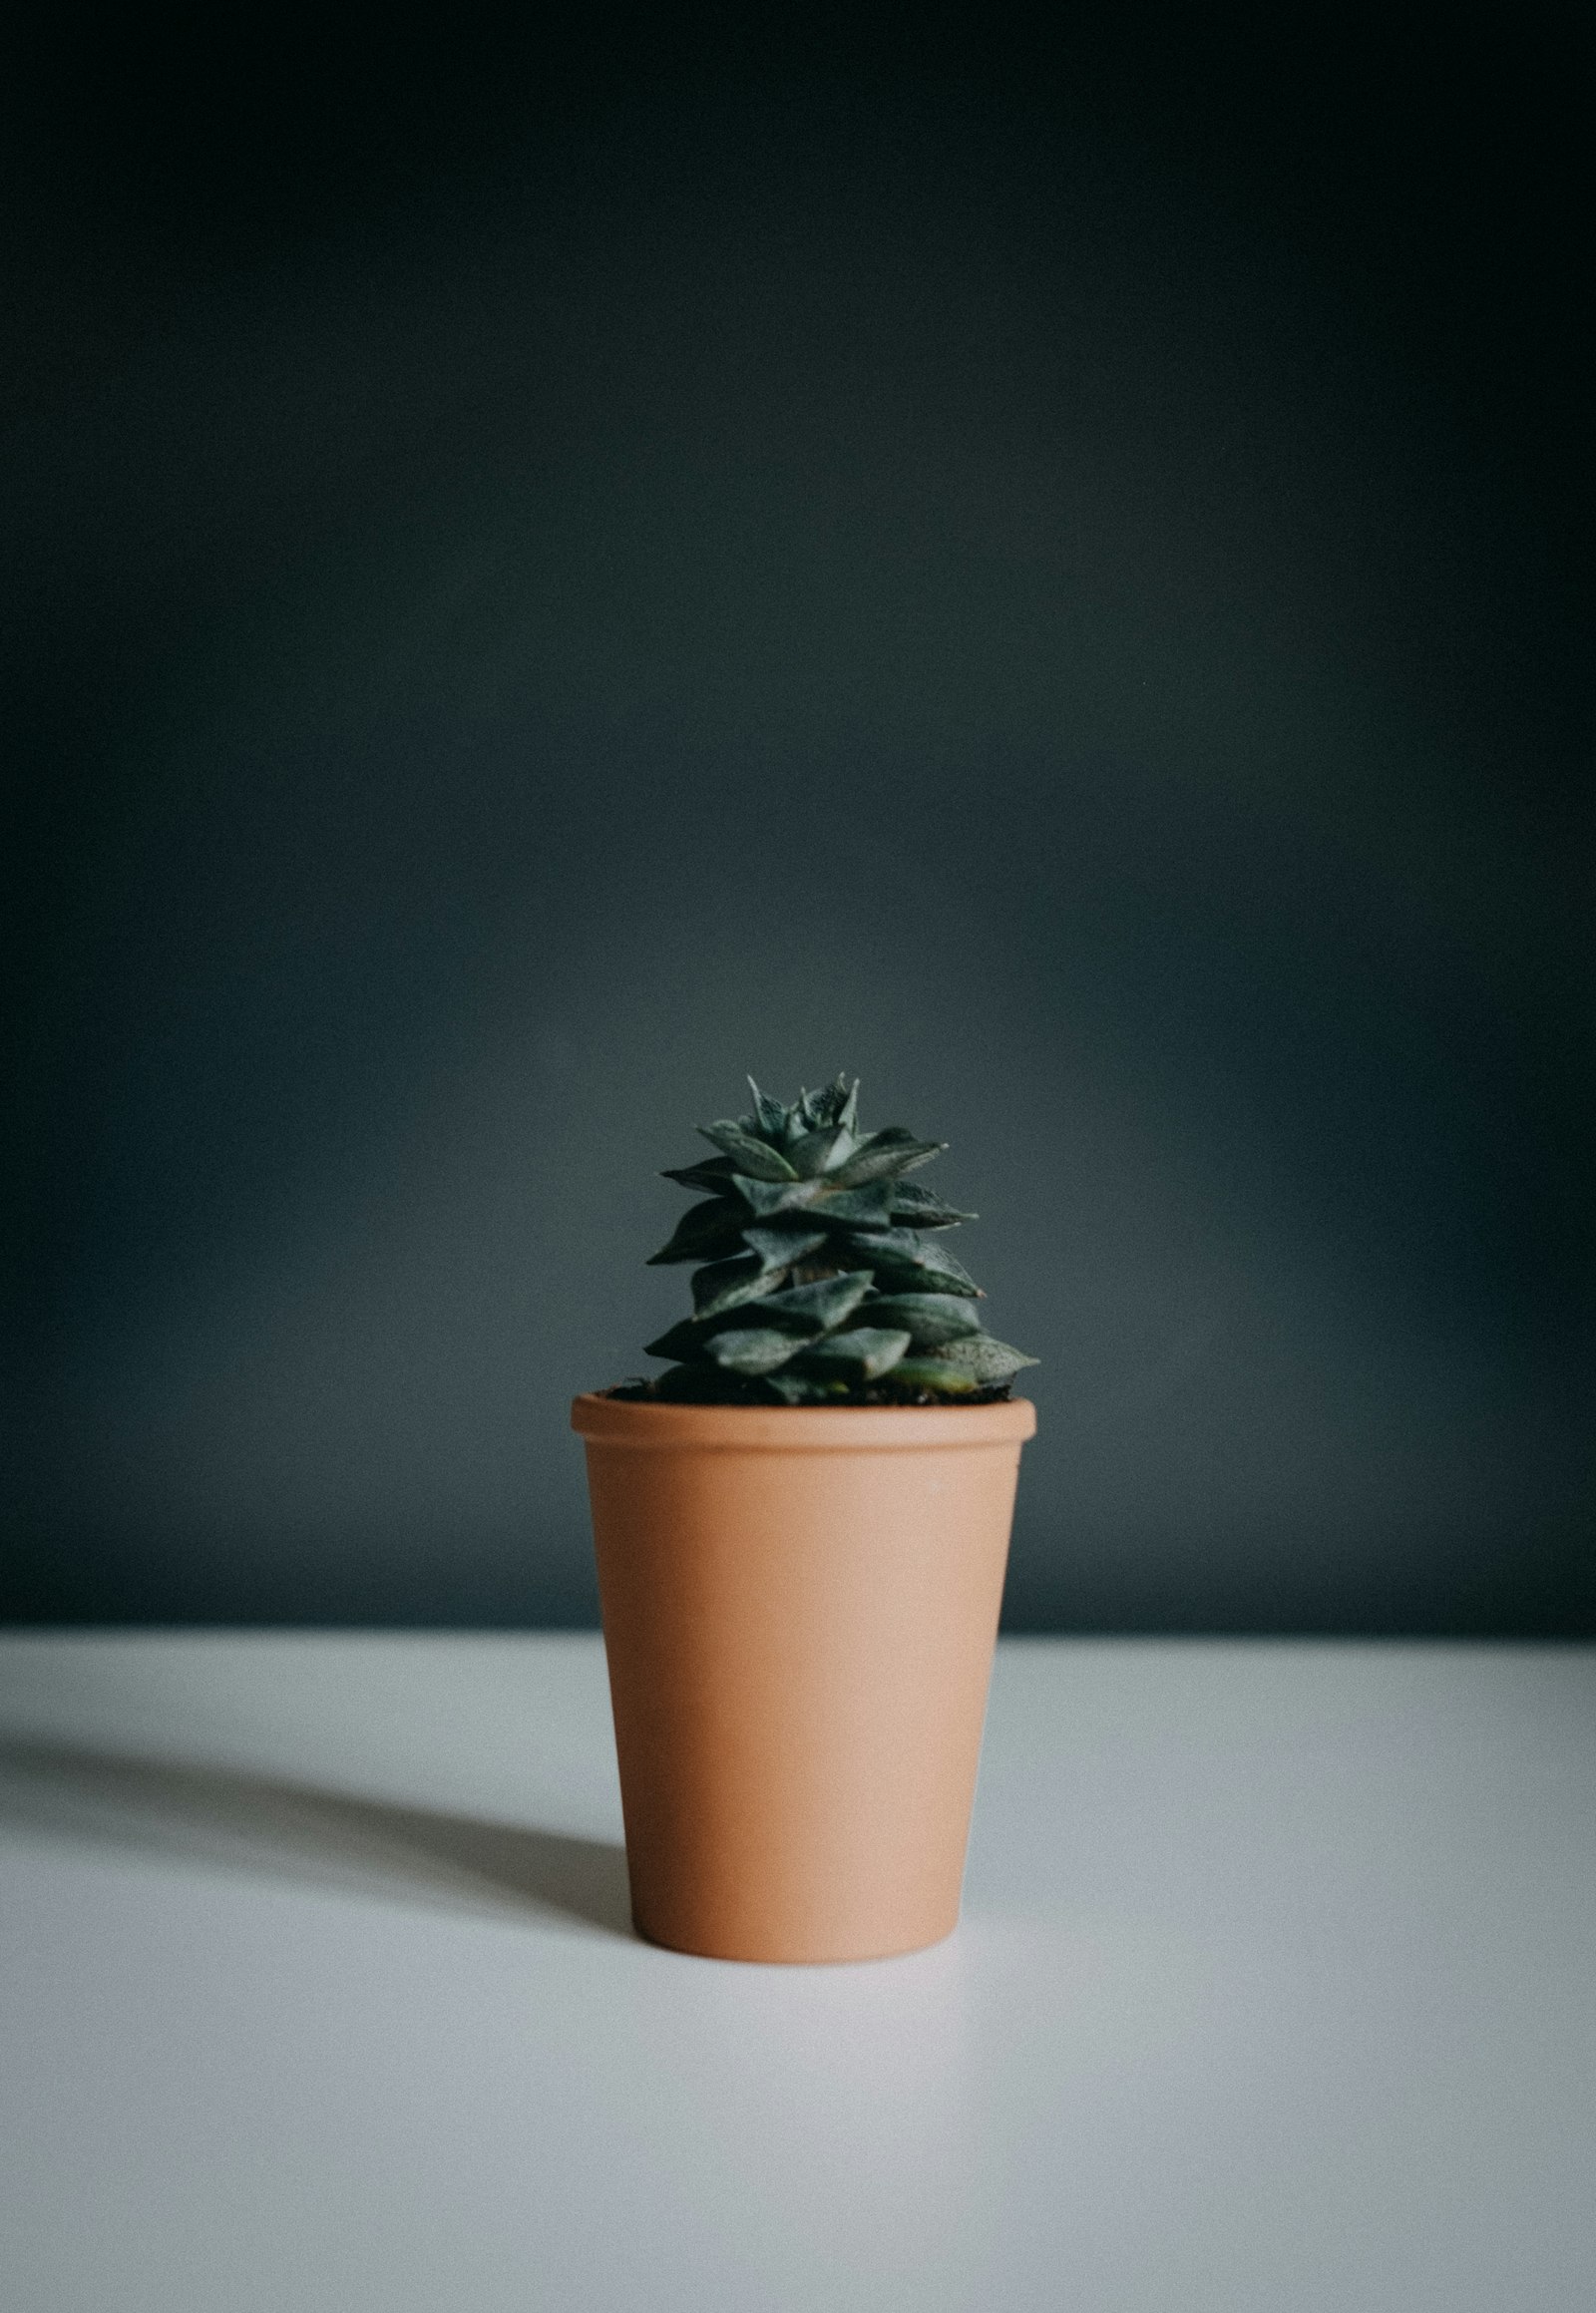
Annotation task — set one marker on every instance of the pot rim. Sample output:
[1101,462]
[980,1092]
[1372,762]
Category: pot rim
[801,1428]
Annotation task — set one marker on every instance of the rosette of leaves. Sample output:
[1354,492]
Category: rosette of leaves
[820,1271]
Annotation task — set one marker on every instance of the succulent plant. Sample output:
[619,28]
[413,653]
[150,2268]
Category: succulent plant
[821,1272]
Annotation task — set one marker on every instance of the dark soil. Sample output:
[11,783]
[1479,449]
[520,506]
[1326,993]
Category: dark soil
[874,1394]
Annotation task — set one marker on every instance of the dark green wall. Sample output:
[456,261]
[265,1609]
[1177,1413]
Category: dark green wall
[544,575]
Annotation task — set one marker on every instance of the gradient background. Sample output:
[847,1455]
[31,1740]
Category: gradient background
[547,571]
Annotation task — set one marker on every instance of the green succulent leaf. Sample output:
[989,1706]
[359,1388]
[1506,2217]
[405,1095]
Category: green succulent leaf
[779,1248]
[685,1338]
[751,1349]
[882,1155]
[820,1150]
[936,1375]
[728,1284]
[904,1262]
[748,1153]
[766,1197]
[714,1173]
[923,1208]
[930,1318]
[866,1207]
[868,1351]
[704,1233]
[770,1115]
[986,1360]
[821,1307]
[706,1384]
[805,1311]
[830,1104]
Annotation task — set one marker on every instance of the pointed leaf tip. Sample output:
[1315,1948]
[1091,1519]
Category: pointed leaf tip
[986,1360]
[771,1116]
[705,1232]
[884,1155]
[920,1208]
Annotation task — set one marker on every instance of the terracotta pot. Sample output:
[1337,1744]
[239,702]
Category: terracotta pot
[799,1606]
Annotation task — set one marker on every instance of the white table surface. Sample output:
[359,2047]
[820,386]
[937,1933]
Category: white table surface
[1276,1989]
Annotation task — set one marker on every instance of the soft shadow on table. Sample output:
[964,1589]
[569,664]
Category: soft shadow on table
[324,1838]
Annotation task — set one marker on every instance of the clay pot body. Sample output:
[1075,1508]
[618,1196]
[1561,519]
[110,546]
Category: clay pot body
[800,1605]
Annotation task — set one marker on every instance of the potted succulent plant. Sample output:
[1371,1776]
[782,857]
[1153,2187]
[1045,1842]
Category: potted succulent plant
[802,1528]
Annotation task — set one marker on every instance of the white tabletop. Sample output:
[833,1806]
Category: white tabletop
[1276,1989]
